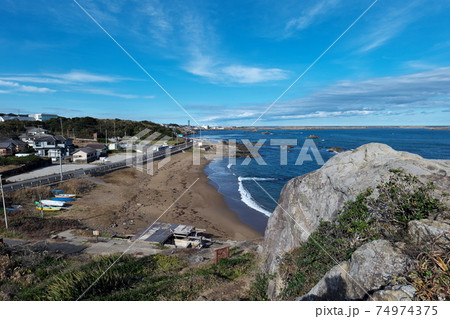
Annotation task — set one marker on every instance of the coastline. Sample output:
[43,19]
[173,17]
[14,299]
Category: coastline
[128,201]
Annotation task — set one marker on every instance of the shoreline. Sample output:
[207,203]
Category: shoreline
[128,201]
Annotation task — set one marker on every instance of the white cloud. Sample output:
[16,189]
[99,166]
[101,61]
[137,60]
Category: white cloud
[311,14]
[62,78]
[321,114]
[235,115]
[389,25]
[235,73]
[24,88]
[109,93]
[393,96]
[245,74]
[84,77]
[32,79]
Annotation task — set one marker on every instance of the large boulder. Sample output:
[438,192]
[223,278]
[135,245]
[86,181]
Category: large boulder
[319,195]
[370,268]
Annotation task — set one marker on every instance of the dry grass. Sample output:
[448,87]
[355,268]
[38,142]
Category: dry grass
[77,186]
[431,276]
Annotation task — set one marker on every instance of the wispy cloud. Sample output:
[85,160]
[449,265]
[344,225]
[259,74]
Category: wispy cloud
[73,81]
[204,61]
[387,26]
[311,15]
[109,93]
[84,77]
[17,87]
[234,73]
[62,78]
[389,96]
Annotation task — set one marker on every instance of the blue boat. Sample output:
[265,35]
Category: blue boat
[64,199]
[57,191]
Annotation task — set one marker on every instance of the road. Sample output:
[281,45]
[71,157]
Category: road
[86,169]
[55,168]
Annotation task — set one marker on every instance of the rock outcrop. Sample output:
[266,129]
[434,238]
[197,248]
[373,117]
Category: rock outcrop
[319,195]
[371,267]
[426,231]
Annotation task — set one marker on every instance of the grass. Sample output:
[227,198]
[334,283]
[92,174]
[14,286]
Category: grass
[156,277]
[401,199]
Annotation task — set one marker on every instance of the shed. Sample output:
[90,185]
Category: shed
[164,233]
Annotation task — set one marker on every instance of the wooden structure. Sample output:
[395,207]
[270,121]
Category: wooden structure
[183,236]
[220,253]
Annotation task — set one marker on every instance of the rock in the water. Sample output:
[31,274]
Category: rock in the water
[370,268]
[313,136]
[336,149]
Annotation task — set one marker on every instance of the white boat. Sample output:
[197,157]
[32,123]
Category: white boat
[66,195]
[48,202]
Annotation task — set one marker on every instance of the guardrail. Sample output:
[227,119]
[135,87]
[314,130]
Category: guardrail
[57,178]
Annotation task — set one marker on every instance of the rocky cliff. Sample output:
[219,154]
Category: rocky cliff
[320,195]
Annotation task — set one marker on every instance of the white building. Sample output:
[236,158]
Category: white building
[43,117]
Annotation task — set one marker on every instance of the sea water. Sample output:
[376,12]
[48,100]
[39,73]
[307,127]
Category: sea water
[255,201]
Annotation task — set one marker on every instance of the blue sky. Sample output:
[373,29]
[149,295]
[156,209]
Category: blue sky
[225,62]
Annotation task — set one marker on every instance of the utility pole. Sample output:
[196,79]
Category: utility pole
[4,206]
[62,131]
[60,164]
[115,128]
[106,136]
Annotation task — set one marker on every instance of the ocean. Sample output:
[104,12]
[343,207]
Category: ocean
[254,203]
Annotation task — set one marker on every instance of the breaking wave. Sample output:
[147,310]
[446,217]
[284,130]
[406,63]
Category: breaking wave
[247,198]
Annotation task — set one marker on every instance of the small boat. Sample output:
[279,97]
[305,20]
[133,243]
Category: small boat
[57,191]
[46,202]
[62,199]
[66,195]
[12,210]
[48,208]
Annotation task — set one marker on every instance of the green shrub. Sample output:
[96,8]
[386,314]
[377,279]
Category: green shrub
[402,199]
[258,287]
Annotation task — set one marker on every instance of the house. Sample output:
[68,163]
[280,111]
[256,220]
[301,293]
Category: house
[101,149]
[28,136]
[52,146]
[19,145]
[43,117]
[114,146]
[6,148]
[84,155]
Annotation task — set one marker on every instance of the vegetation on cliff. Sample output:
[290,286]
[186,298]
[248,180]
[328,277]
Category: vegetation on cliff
[402,199]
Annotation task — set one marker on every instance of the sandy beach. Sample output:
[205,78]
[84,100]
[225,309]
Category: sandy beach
[128,201]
